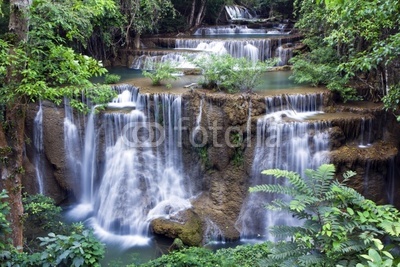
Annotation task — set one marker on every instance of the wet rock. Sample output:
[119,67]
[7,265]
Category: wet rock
[186,226]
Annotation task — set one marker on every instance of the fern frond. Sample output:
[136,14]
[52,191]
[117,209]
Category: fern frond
[286,250]
[284,231]
[314,259]
[293,177]
[325,172]
[273,188]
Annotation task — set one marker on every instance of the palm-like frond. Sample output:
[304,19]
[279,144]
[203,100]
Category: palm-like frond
[294,178]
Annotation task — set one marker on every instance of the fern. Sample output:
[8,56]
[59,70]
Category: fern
[293,177]
[338,223]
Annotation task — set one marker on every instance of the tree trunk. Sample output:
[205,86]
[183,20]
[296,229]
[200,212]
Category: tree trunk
[12,146]
[201,14]
[191,18]
[13,132]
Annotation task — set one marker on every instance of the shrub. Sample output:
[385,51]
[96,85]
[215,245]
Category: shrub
[240,256]
[80,248]
[112,78]
[230,74]
[163,71]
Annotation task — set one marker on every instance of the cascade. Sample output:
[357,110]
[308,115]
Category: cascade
[237,12]
[365,132]
[284,54]
[142,175]
[262,44]
[295,144]
[212,233]
[198,120]
[222,30]
[235,48]
[72,142]
[39,149]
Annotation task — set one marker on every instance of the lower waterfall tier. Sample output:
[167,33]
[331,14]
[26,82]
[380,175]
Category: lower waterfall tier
[213,148]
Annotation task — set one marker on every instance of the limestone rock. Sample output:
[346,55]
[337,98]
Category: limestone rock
[186,226]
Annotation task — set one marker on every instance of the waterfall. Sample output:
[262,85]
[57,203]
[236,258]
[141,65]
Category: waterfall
[235,48]
[237,12]
[251,53]
[132,170]
[212,233]
[72,142]
[365,133]
[284,54]
[291,144]
[198,120]
[39,149]
[148,62]
[224,30]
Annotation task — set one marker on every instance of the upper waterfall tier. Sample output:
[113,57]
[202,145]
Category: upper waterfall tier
[179,50]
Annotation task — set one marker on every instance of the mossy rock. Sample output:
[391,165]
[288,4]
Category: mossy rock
[186,226]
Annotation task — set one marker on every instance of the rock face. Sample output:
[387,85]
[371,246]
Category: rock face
[56,182]
[218,152]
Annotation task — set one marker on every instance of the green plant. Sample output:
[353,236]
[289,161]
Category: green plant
[163,71]
[338,225]
[226,73]
[203,154]
[41,216]
[4,223]
[377,257]
[240,256]
[80,248]
[112,78]
[391,101]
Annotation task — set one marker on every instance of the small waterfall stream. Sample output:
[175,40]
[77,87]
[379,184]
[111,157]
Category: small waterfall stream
[293,144]
[39,148]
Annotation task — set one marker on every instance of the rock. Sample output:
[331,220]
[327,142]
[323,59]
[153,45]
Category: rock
[186,226]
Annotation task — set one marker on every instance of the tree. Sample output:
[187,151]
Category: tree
[35,63]
[364,34]
[338,224]
[143,15]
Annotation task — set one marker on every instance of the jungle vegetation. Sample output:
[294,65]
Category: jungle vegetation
[49,49]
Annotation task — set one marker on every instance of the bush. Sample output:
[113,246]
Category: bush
[240,256]
[229,74]
[111,78]
[163,71]
[80,248]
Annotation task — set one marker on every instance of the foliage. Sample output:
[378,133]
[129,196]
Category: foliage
[80,248]
[240,256]
[45,67]
[338,225]
[41,216]
[4,223]
[162,71]
[112,78]
[245,255]
[226,73]
[319,67]
[391,101]
[144,15]
[363,34]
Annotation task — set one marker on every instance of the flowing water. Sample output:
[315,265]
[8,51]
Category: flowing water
[141,176]
[294,145]
[39,148]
